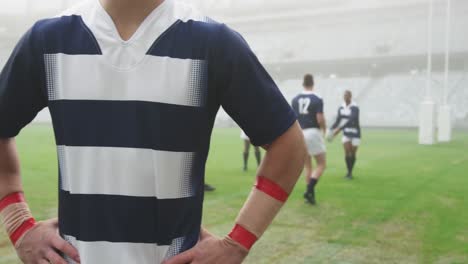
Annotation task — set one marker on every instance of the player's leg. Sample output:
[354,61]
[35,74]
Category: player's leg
[321,160]
[317,150]
[308,168]
[258,155]
[209,188]
[353,151]
[309,195]
[246,153]
[348,149]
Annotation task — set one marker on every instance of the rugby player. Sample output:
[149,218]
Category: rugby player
[208,188]
[347,121]
[133,88]
[245,154]
[309,109]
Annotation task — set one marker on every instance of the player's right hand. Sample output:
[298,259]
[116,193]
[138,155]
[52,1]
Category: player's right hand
[43,245]
[329,135]
[211,250]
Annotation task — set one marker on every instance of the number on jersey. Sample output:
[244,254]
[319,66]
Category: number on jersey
[304,104]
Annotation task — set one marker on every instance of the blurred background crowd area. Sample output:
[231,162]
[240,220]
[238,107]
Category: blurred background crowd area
[377,49]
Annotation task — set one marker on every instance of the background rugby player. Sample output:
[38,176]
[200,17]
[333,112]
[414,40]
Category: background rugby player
[348,122]
[309,109]
[245,154]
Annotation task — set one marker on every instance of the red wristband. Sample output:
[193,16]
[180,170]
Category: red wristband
[271,188]
[23,228]
[16,198]
[243,236]
[11,199]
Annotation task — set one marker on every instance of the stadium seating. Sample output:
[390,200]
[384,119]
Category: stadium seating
[389,101]
[303,32]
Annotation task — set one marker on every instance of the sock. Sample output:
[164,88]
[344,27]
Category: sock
[311,186]
[246,158]
[349,164]
[258,156]
[352,161]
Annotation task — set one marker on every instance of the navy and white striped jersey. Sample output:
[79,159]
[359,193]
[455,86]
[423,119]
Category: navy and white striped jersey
[307,105]
[348,120]
[133,120]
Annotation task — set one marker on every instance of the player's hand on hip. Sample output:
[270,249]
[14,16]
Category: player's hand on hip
[211,250]
[43,244]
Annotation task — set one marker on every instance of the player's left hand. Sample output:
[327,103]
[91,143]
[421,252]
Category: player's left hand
[211,250]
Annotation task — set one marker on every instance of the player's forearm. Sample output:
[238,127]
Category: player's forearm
[323,126]
[278,174]
[10,180]
[14,211]
[336,123]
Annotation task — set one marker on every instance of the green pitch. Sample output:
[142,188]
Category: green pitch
[408,203]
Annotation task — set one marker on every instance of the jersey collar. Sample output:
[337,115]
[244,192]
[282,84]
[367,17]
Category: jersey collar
[353,103]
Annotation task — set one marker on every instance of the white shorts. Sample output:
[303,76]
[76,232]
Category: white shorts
[314,141]
[244,136]
[354,141]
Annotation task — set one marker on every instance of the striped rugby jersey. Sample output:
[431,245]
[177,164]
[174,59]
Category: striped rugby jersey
[348,119]
[133,119]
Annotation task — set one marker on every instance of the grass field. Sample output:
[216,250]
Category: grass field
[408,203]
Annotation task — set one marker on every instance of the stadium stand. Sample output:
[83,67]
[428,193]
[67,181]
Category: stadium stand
[374,48]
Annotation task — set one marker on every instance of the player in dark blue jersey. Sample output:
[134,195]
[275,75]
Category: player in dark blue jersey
[309,109]
[348,122]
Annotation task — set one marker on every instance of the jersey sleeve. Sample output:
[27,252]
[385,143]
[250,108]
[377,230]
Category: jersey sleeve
[21,86]
[337,122]
[247,92]
[354,114]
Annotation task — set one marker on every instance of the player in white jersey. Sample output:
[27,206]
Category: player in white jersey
[245,154]
[347,121]
[133,88]
[309,109]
